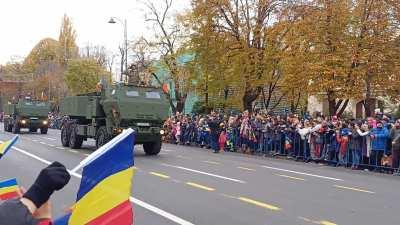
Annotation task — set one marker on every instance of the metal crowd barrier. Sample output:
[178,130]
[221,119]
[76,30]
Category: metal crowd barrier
[273,143]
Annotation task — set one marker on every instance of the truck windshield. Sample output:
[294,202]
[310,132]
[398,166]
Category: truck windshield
[153,95]
[132,93]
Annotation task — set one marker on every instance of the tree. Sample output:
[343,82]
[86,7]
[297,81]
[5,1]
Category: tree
[248,46]
[96,52]
[167,41]
[374,31]
[82,75]
[67,38]
[43,57]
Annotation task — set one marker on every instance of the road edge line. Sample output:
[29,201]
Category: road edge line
[136,201]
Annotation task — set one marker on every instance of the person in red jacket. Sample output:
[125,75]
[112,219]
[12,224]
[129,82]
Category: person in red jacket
[33,208]
[222,141]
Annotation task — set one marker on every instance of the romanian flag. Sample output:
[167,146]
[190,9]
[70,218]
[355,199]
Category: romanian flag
[5,146]
[103,196]
[8,189]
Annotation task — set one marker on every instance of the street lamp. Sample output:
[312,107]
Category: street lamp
[114,20]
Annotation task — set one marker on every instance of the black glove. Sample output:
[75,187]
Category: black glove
[50,179]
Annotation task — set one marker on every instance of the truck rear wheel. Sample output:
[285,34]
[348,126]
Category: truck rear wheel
[152,148]
[75,140]
[64,136]
[102,137]
[9,127]
[43,130]
[16,128]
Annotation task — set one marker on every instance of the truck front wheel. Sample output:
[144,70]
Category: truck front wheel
[75,140]
[102,137]
[43,130]
[65,136]
[152,148]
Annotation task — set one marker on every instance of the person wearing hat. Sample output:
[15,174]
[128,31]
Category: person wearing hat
[379,136]
[33,208]
[213,123]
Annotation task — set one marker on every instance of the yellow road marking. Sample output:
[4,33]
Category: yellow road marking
[245,168]
[200,186]
[354,189]
[159,175]
[260,204]
[211,162]
[324,222]
[290,177]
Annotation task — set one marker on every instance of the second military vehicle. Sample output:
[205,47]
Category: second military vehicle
[26,113]
[104,114]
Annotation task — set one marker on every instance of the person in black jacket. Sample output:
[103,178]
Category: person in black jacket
[33,208]
[213,124]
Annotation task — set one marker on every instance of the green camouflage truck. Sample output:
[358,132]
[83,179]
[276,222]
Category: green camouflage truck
[104,114]
[26,113]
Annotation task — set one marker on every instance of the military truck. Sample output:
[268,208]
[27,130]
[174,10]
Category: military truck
[26,113]
[104,114]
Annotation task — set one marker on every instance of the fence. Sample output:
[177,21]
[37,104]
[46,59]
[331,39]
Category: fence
[324,148]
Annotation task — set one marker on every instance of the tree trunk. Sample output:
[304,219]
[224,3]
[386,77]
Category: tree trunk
[180,105]
[344,106]
[180,99]
[331,104]
[368,103]
[294,104]
[250,95]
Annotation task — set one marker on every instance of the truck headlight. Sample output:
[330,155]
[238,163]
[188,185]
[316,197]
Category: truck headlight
[45,122]
[162,132]
[23,121]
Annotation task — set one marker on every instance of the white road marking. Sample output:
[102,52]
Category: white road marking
[212,162]
[160,212]
[73,151]
[42,143]
[168,150]
[35,140]
[51,145]
[51,139]
[205,173]
[183,157]
[302,173]
[61,148]
[132,199]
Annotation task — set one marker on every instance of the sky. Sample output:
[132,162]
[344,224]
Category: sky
[23,23]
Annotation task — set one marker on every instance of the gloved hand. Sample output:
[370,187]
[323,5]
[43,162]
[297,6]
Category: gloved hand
[50,179]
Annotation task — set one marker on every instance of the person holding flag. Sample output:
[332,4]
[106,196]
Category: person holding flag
[106,185]
[33,208]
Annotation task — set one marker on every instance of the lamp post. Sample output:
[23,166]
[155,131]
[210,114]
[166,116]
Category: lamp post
[124,23]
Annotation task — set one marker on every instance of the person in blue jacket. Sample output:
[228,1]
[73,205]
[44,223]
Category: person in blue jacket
[379,137]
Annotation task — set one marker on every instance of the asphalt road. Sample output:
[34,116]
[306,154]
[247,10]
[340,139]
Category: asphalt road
[187,185]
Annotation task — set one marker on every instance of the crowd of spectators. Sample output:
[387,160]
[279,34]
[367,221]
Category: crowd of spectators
[370,144]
